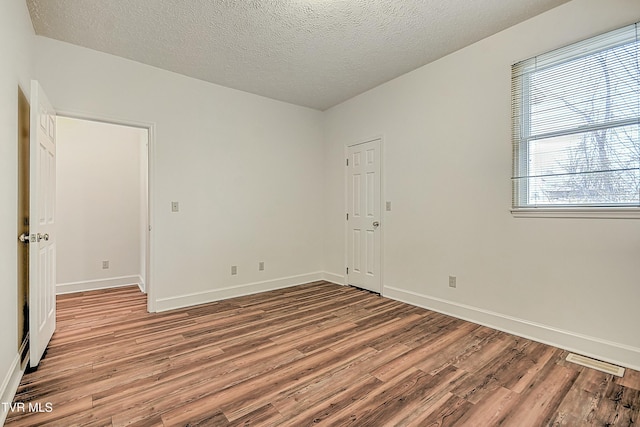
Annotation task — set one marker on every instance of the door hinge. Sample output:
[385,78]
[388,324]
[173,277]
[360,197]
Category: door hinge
[347,216]
[347,162]
[347,270]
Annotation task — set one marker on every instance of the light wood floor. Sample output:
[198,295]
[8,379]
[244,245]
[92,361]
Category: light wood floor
[308,355]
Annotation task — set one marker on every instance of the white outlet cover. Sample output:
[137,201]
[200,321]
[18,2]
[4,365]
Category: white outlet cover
[452,281]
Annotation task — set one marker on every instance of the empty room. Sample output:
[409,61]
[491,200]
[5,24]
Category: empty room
[371,213]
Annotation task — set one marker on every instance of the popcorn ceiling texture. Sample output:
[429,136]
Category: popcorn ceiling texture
[314,53]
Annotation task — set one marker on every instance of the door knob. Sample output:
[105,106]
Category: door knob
[376,223]
[24,238]
[46,237]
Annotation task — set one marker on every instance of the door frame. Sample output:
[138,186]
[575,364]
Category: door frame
[382,211]
[150,240]
[24,176]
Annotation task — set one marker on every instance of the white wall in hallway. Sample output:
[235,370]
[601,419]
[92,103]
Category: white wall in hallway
[99,206]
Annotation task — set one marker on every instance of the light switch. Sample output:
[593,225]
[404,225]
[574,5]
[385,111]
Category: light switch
[388,206]
[175,207]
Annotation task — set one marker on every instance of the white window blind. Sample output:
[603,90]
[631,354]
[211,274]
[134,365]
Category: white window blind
[576,125]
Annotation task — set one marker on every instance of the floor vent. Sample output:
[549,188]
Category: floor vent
[595,364]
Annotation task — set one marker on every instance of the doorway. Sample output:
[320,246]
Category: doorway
[24,112]
[102,205]
[364,215]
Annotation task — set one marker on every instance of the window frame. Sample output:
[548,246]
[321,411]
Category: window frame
[521,136]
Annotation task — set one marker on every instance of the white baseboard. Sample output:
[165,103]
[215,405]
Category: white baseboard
[333,278]
[142,285]
[92,285]
[164,304]
[10,386]
[608,351]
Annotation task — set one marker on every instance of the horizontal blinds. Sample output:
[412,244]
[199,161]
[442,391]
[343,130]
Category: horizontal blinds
[576,124]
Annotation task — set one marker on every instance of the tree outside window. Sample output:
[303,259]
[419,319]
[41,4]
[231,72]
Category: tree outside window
[576,125]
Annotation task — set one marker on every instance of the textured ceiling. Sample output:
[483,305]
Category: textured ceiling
[315,53]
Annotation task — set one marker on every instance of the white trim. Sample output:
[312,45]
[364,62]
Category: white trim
[101,118]
[141,285]
[334,278]
[10,386]
[608,351]
[187,300]
[92,285]
[345,196]
[151,182]
[583,212]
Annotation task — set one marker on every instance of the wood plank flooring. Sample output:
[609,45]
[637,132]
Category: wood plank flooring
[317,354]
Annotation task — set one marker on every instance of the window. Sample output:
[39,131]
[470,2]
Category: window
[576,126]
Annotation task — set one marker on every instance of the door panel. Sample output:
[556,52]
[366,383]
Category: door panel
[363,216]
[356,257]
[42,236]
[370,255]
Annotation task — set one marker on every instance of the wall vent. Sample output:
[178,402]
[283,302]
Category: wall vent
[596,364]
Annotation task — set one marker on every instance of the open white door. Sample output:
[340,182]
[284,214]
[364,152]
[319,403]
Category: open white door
[363,216]
[42,236]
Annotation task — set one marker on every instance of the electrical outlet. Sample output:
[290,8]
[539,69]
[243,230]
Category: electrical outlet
[175,207]
[261,266]
[105,265]
[234,270]
[452,281]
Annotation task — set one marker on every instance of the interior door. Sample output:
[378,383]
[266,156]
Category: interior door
[42,236]
[363,216]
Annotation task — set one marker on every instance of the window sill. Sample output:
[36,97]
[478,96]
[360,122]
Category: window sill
[602,213]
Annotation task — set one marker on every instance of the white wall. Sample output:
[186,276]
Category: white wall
[246,170]
[447,167]
[16,49]
[98,204]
